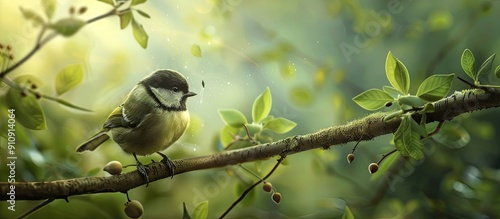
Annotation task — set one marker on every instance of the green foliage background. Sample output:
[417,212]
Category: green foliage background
[313,55]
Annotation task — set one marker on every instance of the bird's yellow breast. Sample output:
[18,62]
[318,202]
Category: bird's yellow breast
[155,133]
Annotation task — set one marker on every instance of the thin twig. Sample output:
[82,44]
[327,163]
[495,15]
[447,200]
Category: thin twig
[251,187]
[386,155]
[42,41]
[248,134]
[466,82]
[36,208]
[354,148]
[435,131]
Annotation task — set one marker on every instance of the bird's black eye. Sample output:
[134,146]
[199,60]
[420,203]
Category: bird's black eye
[175,89]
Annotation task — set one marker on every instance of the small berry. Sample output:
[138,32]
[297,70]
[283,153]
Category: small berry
[38,95]
[82,10]
[276,197]
[71,10]
[1,46]
[373,168]
[268,187]
[33,86]
[113,167]
[11,57]
[133,209]
[24,93]
[8,48]
[350,158]
[388,104]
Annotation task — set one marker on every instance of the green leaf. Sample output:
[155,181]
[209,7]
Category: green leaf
[67,26]
[29,80]
[227,133]
[185,213]
[497,71]
[301,96]
[201,210]
[109,2]
[486,66]
[68,78]
[435,87]
[468,64]
[30,15]
[233,117]
[125,19]
[428,108]
[372,99]
[347,213]
[397,74]
[49,7]
[262,106]
[267,119]
[280,125]
[27,109]
[411,100]
[392,91]
[196,51]
[140,34]
[137,2]
[142,13]
[254,128]
[393,115]
[407,139]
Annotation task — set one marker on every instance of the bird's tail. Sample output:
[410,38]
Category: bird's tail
[93,142]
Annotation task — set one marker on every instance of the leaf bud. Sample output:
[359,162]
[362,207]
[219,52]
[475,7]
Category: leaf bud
[82,10]
[133,209]
[113,167]
[268,187]
[24,93]
[38,95]
[373,168]
[350,158]
[276,197]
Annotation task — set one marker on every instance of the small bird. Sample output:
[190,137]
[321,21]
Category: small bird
[153,116]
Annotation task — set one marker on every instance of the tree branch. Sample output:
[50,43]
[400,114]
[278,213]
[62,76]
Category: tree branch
[40,42]
[365,129]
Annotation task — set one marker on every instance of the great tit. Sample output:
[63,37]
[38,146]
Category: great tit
[153,116]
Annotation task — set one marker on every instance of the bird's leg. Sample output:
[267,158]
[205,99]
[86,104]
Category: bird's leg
[169,163]
[143,170]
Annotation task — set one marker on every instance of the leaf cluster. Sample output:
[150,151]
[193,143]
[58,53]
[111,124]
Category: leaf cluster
[238,129]
[468,63]
[408,136]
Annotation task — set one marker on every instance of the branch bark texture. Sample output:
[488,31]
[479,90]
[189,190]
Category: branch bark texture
[365,128]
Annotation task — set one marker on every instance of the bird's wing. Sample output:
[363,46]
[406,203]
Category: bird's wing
[121,117]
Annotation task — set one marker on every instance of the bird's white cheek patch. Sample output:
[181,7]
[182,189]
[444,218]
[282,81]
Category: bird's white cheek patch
[167,97]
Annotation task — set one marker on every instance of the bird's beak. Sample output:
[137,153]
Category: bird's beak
[190,94]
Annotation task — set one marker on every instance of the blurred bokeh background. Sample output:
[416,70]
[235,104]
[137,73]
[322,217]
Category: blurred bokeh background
[314,56]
